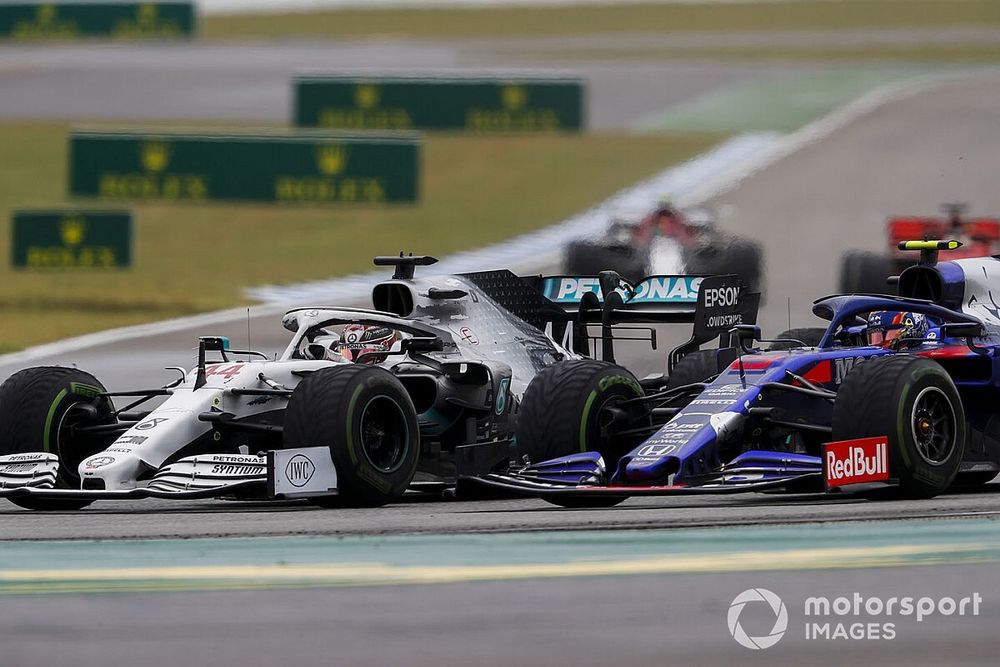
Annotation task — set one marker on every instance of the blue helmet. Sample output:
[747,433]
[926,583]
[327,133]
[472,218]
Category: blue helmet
[888,328]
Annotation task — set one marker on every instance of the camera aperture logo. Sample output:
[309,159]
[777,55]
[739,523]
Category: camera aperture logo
[770,601]
[854,617]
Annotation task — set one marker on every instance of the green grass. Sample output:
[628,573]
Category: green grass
[191,258]
[614,18]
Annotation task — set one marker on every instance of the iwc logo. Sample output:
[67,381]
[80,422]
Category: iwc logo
[773,606]
[299,470]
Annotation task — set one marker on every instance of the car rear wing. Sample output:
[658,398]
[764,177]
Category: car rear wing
[712,304]
[927,227]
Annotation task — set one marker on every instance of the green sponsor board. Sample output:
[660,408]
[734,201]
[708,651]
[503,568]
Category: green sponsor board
[66,20]
[451,103]
[69,239]
[303,166]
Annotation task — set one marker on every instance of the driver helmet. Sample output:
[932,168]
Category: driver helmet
[888,328]
[358,340]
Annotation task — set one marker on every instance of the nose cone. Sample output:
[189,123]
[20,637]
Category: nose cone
[642,470]
[117,471]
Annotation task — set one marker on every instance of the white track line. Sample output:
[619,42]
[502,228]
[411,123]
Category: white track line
[701,186]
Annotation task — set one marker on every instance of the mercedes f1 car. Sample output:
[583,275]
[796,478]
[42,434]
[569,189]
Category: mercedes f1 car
[361,405]
[919,414]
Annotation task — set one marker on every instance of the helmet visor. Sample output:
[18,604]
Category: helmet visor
[880,338]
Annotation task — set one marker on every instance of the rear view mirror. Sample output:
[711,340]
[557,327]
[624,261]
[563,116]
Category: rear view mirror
[962,330]
[421,344]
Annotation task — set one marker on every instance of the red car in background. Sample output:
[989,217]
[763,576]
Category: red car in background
[665,240]
[863,271]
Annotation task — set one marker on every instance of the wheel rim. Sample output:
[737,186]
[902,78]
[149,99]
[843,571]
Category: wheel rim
[385,436]
[932,423]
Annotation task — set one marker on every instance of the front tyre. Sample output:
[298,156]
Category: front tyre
[579,406]
[366,418]
[40,411]
[913,402]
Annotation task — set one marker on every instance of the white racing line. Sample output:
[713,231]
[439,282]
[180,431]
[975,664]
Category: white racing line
[688,184]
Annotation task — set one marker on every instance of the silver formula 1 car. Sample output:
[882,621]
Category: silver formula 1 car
[423,390]
[359,404]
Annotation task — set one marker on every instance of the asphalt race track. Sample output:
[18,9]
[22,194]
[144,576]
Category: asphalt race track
[418,514]
[594,621]
[907,156]
[252,82]
[567,598]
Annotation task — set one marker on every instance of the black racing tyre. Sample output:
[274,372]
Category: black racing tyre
[564,409]
[811,336]
[969,480]
[727,254]
[864,273]
[697,366]
[588,259]
[39,408]
[913,402]
[366,418]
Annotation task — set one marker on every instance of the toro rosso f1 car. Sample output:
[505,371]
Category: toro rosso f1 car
[361,405]
[915,408]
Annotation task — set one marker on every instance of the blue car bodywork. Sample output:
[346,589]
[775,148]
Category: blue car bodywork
[762,422]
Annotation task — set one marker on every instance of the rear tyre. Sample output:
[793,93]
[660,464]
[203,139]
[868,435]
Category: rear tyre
[39,410]
[913,402]
[864,273]
[697,366]
[588,259]
[811,336]
[366,418]
[728,254]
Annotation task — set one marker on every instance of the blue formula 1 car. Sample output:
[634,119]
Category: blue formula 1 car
[919,413]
